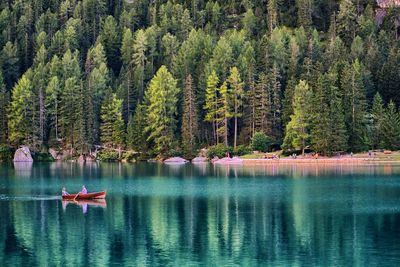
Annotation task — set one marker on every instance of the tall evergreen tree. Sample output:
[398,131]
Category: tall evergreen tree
[136,138]
[353,86]
[112,125]
[190,125]
[391,127]
[297,130]
[211,103]
[378,116]
[162,98]
[4,101]
[21,113]
[237,93]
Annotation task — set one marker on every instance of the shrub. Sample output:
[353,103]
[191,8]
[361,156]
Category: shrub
[242,150]
[261,142]
[42,157]
[129,156]
[108,155]
[219,150]
[6,153]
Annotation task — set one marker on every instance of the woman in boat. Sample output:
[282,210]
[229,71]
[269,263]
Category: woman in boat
[84,190]
[64,192]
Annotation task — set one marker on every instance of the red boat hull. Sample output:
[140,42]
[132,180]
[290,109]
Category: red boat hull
[94,195]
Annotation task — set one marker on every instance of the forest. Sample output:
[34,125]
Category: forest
[170,77]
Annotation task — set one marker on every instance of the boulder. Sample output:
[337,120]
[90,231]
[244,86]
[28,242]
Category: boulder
[54,154]
[82,158]
[227,160]
[23,154]
[199,160]
[176,160]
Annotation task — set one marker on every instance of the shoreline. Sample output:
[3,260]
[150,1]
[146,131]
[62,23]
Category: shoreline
[320,161]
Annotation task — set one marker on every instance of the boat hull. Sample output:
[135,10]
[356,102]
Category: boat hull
[94,195]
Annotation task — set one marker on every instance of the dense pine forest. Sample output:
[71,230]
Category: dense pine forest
[170,77]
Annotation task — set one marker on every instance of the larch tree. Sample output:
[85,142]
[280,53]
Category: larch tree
[190,118]
[211,103]
[297,130]
[162,99]
[223,112]
[236,91]
[20,113]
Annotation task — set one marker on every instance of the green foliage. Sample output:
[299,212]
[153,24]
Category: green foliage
[129,156]
[242,150]
[60,61]
[219,151]
[261,142]
[112,126]
[107,155]
[162,98]
[42,157]
[6,153]
[297,130]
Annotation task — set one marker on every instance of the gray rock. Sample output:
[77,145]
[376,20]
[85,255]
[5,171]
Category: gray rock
[23,154]
[54,153]
[199,160]
[176,160]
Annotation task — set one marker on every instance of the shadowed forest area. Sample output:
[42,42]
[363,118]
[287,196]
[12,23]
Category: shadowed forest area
[170,77]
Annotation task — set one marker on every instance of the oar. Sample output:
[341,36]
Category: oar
[76,196]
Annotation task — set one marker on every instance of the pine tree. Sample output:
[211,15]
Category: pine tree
[347,21]
[4,101]
[20,113]
[237,93]
[9,64]
[110,37]
[136,137]
[162,98]
[297,130]
[190,125]
[211,103]
[112,125]
[139,60]
[53,93]
[223,112]
[378,116]
[304,13]
[391,127]
[272,10]
[353,86]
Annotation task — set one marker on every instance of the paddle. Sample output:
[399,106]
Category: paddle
[76,196]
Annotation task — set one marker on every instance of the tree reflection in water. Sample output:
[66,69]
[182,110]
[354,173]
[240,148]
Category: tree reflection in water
[208,215]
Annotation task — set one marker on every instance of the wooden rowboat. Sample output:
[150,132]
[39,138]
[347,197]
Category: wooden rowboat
[94,195]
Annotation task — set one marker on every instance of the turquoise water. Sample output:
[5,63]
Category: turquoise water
[204,215]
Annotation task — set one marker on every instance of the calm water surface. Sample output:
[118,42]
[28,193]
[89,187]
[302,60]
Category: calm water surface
[203,215]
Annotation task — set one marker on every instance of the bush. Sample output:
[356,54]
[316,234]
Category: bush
[129,156]
[242,150]
[261,142]
[219,150]
[42,157]
[108,155]
[6,153]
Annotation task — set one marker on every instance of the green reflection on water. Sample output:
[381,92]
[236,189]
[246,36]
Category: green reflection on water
[201,215]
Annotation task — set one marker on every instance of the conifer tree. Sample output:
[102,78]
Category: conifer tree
[21,113]
[112,125]
[391,127]
[297,130]
[223,113]
[4,101]
[190,126]
[237,93]
[9,64]
[136,138]
[353,86]
[162,98]
[378,116]
[211,103]
[139,60]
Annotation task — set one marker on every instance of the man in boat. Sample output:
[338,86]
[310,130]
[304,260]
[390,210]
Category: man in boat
[84,190]
[64,192]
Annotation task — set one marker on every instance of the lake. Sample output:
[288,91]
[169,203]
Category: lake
[203,215]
